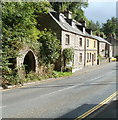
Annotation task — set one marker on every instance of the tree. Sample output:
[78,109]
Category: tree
[74,7]
[94,26]
[50,47]
[19,27]
[111,27]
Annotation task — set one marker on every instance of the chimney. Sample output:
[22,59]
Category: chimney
[97,34]
[83,22]
[89,31]
[81,28]
[102,35]
[68,14]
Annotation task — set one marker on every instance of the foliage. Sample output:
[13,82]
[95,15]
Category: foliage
[50,47]
[19,28]
[61,74]
[100,57]
[74,7]
[110,28]
[31,77]
[95,27]
[68,54]
[55,74]
[68,69]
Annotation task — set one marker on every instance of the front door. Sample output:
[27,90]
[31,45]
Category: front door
[92,59]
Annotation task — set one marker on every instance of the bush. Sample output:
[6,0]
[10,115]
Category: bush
[32,77]
[68,69]
[68,54]
[50,47]
[61,74]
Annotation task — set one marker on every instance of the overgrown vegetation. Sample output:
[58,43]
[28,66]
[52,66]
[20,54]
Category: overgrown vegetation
[68,56]
[74,7]
[32,77]
[50,47]
[19,29]
[110,28]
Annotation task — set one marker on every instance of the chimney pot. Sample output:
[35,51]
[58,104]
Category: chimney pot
[68,14]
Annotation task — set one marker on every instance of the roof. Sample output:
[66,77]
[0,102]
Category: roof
[67,27]
[100,39]
[61,21]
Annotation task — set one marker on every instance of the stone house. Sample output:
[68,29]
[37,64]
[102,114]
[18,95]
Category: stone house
[104,49]
[114,44]
[72,34]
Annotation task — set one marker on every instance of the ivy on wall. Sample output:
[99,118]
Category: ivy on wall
[68,55]
[50,47]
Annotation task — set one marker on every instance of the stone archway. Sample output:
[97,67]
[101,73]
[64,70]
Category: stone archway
[29,62]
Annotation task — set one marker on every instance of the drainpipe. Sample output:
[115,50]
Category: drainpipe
[85,53]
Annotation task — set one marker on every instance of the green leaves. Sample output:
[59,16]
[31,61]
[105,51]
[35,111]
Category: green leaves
[111,27]
[74,7]
[68,54]
[94,26]
[50,47]
[19,29]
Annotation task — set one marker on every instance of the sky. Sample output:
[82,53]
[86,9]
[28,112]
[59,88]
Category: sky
[101,10]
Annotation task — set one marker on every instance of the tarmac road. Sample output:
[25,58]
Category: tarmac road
[66,98]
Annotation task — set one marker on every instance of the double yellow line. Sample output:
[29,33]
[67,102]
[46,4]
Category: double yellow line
[96,107]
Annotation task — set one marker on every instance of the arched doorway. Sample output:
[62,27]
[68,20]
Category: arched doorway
[29,62]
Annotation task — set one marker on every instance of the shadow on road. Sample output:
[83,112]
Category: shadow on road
[107,112]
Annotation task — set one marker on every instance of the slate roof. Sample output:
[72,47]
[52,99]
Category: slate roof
[67,27]
[100,39]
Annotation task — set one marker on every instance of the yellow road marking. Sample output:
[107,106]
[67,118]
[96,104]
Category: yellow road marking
[96,107]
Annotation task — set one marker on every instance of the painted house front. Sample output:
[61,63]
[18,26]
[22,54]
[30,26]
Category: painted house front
[91,51]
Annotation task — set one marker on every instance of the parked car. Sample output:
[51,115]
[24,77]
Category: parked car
[113,59]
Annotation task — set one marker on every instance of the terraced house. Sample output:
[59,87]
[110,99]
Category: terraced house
[90,49]
[72,34]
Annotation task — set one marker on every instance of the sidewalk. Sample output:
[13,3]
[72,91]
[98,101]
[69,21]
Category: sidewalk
[89,69]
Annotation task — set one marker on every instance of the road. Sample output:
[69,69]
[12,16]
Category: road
[66,98]
[108,111]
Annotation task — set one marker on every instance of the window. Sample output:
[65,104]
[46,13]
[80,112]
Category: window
[94,44]
[80,57]
[80,42]
[87,42]
[67,40]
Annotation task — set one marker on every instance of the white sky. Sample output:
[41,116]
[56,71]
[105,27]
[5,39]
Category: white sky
[101,10]
[102,0]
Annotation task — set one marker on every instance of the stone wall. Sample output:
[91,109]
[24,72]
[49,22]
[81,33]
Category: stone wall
[21,58]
